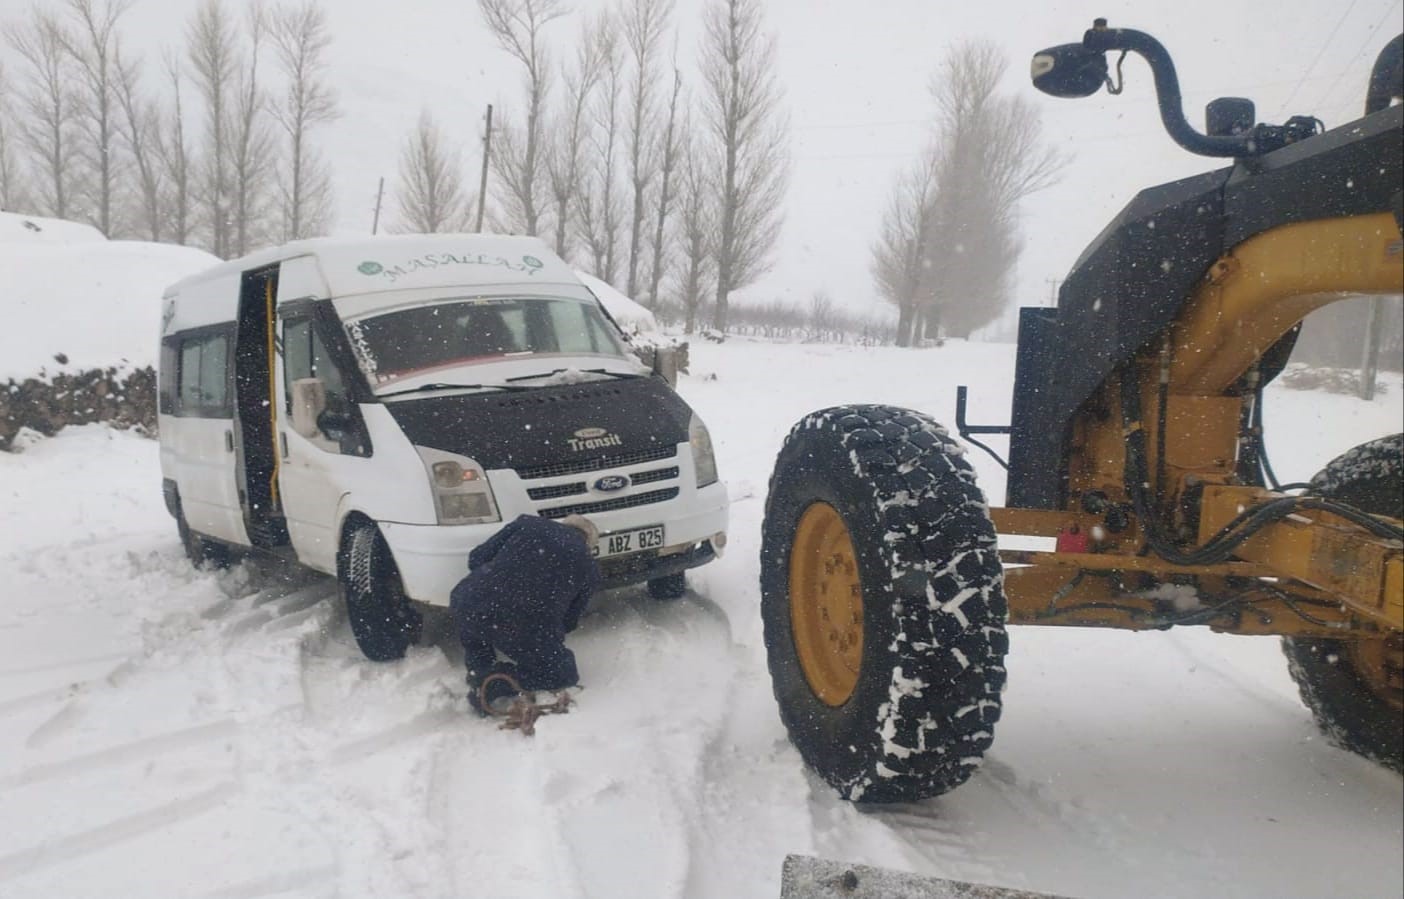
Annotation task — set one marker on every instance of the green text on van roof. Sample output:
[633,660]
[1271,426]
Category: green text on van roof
[529,265]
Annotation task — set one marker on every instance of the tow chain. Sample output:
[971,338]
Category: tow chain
[524,710]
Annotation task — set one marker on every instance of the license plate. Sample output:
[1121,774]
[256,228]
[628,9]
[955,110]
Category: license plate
[637,540]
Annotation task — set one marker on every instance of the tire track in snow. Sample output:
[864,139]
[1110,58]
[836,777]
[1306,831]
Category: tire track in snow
[65,849]
[136,750]
[277,884]
[64,664]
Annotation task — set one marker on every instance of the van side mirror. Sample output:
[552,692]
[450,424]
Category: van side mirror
[1229,117]
[1069,71]
[309,403]
[335,425]
[668,361]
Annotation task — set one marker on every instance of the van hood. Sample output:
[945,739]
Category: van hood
[548,425]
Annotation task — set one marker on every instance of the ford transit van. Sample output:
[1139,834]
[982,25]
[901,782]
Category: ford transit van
[375,408]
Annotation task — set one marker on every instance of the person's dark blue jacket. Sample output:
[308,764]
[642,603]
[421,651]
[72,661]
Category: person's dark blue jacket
[527,587]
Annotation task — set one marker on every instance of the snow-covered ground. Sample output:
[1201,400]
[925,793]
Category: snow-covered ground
[74,301]
[168,733]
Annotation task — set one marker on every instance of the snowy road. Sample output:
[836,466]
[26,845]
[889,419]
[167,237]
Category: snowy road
[171,733]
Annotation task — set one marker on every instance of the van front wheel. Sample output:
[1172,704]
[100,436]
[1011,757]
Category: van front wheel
[382,618]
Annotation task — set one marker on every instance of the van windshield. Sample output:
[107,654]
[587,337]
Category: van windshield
[454,333]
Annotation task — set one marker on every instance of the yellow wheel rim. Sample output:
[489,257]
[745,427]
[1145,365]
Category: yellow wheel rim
[1381,663]
[826,604]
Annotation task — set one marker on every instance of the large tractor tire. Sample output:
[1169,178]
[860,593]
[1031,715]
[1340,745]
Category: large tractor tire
[383,620]
[1355,688]
[883,603]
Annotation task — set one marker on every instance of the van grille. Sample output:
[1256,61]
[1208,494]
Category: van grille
[654,476]
[612,505]
[577,466]
[557,491]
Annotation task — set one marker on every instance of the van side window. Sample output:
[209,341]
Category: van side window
[202,382]
[305,356]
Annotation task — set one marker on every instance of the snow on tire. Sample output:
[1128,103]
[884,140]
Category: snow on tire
[916,714]
[1357,710]
[382,619]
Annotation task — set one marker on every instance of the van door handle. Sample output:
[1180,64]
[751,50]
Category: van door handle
[229,441]
[283,442]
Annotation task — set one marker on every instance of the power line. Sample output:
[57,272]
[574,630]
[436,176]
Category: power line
[1389,14]
[1320,51]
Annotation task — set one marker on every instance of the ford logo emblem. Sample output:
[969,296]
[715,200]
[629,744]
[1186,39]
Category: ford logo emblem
[611,483]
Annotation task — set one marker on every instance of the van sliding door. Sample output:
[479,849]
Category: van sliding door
[256,408]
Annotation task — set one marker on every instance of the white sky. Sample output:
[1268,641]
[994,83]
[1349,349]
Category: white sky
[855,76]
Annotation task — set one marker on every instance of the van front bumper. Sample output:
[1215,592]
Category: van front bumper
[432,559]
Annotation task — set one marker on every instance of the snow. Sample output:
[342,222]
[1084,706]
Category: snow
[629,315]
[93,303]
[31,229]
[166,732]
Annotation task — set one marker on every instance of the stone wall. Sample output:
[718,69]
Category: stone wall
[121,397]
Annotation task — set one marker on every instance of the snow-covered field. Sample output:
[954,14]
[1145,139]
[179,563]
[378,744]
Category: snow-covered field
[168,733]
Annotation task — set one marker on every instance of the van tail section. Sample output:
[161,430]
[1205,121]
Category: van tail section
[255,409]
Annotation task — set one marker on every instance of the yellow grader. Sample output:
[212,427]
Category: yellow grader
[1135,443]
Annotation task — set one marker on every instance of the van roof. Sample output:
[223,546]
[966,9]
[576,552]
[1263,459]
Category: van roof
[392,262]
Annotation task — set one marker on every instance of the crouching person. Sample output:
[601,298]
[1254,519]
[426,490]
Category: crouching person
[526,588]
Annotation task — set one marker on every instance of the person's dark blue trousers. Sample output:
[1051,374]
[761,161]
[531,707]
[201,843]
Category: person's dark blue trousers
[526,588]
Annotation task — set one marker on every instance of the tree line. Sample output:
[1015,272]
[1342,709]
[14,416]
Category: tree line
[665,181]
[211,145]
[663,178]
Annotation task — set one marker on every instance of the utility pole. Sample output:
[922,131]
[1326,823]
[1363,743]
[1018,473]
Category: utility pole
[482,182]
[1370,356]
[379,194]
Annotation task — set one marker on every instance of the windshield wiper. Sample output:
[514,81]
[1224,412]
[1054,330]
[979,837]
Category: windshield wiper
[594,371]
[440,385]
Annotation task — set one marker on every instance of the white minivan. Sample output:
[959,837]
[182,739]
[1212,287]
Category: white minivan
[375,408]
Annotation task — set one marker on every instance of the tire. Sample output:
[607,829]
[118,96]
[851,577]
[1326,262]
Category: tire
[670,586]
[1352,686]
[903,707]
[383,620]
[201,551]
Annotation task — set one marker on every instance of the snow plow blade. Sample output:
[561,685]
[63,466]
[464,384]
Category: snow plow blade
[805,877]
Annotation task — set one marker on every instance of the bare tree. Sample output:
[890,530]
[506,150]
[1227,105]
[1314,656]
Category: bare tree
[431,197]
[599,203]
[824,318]
[671,150]
[301,38]
[139,126]
[46,109]
[252,143]
[518,25]
[565,163]
[900,254]
[12,193]
[747,125]
[696,232]
[645,23]
[988,155]
[214,58]
[174,150]
[93,45]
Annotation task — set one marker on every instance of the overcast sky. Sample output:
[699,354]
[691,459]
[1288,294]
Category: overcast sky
[855,76]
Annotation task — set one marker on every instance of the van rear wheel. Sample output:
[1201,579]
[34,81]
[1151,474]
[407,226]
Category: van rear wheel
[202,552]
[383,620]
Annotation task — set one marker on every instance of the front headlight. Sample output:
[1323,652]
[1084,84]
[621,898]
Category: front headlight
[461,491]
[703,458]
